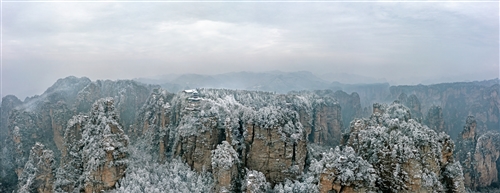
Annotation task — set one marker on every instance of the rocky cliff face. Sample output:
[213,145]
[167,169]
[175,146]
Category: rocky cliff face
[8,177]
[327,124]
[238,141]
[479,156]
[466,145]
[413,104]
[277,145]
[344,171]
[173,125]
[152,127]
[195,133]
[408,156]
[24,131]
[435,119]
[71,95]
[350,104]
[321,113]
[38,173]
[266,130]
[368,93]
[97,151]
[44,118]
[459,100]
[486,157]
[129,97]
[9,102]
[267,139]
[225,168]
[104,153]
[71,169]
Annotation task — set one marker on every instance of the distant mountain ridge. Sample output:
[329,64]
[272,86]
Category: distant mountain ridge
[275,81]
[280,82]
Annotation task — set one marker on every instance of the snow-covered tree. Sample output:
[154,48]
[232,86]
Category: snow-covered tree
[38,172]
[94,144]
[225,164]
[407,156]
[146,175]
[344,168]
[255,182]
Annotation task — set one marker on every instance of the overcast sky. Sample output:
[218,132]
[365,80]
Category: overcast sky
[405,43]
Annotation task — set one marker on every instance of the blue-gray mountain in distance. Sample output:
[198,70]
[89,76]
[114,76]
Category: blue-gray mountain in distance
[276,81]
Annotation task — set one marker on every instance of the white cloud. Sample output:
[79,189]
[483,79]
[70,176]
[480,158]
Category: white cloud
[217,36]
[126,40]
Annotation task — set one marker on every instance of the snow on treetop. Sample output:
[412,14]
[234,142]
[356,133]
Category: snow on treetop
[392,140]
[348,168]
[102,133]
[230,108]
[77,119]
[224,156]
[256,182]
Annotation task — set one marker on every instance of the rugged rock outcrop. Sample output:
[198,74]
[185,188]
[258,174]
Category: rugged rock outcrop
[267,130]
[129,96]
[24,131]
[344,171]
[263,128]
[8,177]
[38,173]
[275,144]
[268,139]
[350,104]
[152,125]
[71,169]
[97,151]
[225,163]
[196,149]
[368,93]
[479,156]
[327,124]
[71,96]
[43,118]
[261,137]
[104,152]
[196,133]
[486,159]
[435,119]
[466,145]
[37,119]
[413,104]
[178,125]
[458,100]
[9,102]
[320,114]
[408,156]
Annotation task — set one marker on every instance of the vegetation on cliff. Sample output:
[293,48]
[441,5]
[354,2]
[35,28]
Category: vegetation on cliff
[219,140]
